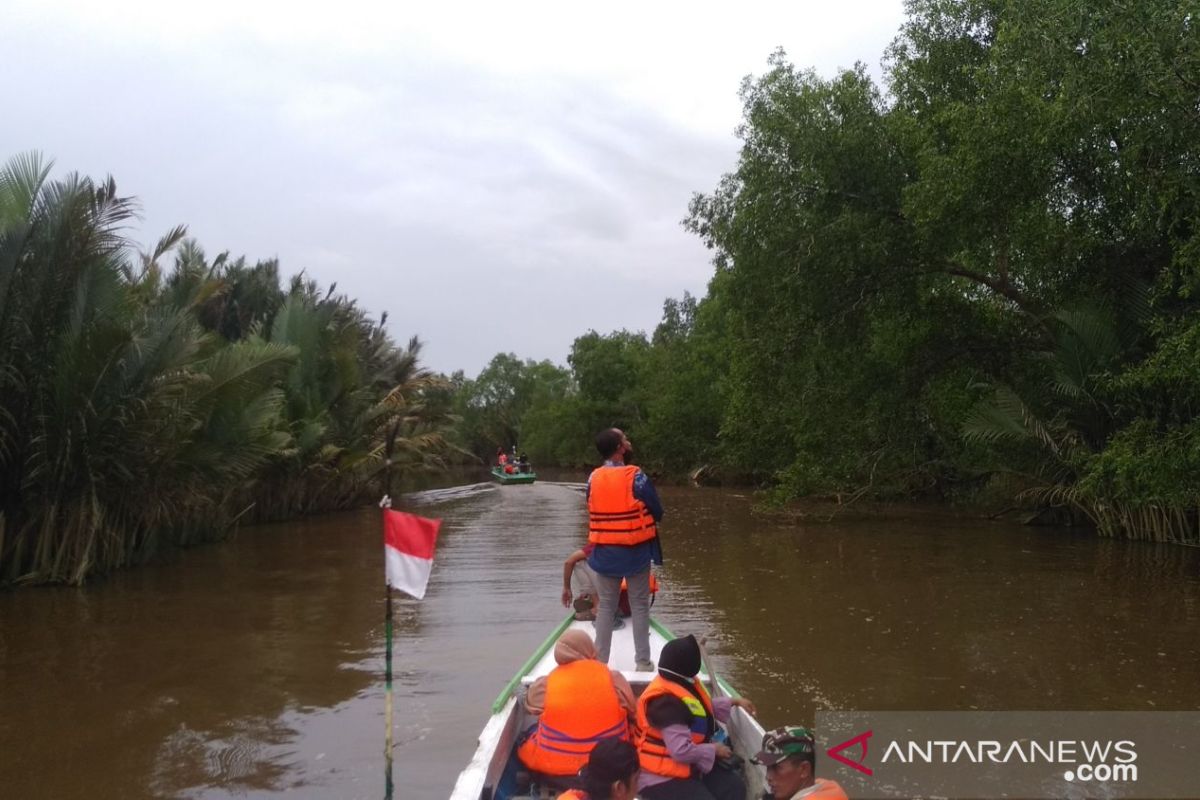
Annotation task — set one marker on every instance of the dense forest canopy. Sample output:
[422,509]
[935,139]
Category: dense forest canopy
[977,280]
[144,404]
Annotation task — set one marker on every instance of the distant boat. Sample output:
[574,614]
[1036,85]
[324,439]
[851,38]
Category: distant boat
[491,773]
[500,475]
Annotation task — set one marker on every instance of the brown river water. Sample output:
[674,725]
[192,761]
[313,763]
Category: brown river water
[254,668]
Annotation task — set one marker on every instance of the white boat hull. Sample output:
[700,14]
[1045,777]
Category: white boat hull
[482,775]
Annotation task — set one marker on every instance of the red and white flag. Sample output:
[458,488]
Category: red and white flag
[408,542]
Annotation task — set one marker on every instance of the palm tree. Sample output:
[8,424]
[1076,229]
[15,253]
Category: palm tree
[1061,423]
[350,387]
[140,409]
[124,426]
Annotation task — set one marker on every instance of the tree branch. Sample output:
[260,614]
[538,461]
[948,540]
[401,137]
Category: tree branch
[998,285]
[1003,288]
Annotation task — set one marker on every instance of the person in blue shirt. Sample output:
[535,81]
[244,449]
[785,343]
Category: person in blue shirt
[623,515]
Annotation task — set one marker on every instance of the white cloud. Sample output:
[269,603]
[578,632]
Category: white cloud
[440,161]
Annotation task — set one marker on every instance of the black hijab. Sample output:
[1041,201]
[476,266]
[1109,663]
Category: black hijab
[679,662]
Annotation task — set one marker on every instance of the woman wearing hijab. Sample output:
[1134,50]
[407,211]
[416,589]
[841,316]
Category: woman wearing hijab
[579,703]
[676,721]
[611,773]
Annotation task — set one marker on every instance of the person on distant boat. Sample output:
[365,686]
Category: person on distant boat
[523,463]
[790,756]
[579,703]
[623,515]
[676,720]
[501,457]
[611,773]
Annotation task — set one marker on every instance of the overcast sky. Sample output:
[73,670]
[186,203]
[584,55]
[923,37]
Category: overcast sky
[497,176]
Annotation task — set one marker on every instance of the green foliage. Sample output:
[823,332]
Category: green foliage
[493,407]
[141,409]
[547,411]
[984,273]
[684,388]
[1018,212]
[558,432]
[1142,484]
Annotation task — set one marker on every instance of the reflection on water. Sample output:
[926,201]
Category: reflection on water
[935,613]
[254,667]
[194,673]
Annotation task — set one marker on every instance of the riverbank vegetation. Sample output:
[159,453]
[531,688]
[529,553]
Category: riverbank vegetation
[976,280]
[144,404]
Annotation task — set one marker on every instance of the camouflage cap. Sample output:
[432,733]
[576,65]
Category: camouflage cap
[781,743]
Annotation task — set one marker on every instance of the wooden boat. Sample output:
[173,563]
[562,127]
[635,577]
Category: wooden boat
[503,477]
[491,774]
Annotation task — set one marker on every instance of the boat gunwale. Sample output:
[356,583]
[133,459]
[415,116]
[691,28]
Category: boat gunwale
[496,739]
[530,663]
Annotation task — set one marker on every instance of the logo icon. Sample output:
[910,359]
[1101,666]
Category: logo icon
[835,753]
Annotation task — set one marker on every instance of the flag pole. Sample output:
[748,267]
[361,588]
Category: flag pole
[387,626]
[387,713]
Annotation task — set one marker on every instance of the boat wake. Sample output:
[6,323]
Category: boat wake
[579,487]
[433,496]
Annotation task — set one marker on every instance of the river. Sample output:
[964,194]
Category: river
[253,668]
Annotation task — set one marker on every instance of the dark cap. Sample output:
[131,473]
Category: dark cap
[610,760]
[781,743]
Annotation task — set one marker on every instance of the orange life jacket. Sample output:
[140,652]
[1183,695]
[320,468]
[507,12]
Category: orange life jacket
[652,750]
[581,709]
[825,789]
[615,516]
[572,794]
[653,584]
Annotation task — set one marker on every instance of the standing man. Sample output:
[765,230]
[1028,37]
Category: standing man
[623,512]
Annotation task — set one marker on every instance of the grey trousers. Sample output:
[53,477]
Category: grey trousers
[639,603]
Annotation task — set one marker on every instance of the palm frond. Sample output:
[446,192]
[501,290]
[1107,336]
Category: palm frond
[21,181]
[1005,417]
